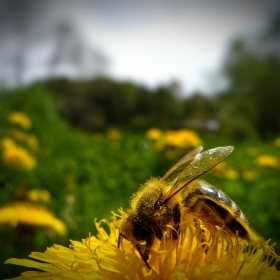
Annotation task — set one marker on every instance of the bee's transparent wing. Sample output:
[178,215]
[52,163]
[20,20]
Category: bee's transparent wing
[201,163]
[175,171]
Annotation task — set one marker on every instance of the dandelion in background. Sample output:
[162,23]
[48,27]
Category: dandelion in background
[154,133]
[114,134]
[30,215]
[267,161]
[231,174]
[29,139]
[20,119]
[249,175]
[219,170]
[17,134]
[276,142]
[180,139]
[186,258]
[37,195]
[16,156]
[224,171]
[32,142]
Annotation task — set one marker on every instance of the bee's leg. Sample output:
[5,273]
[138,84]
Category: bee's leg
[119,239]
[176,220]
[157,231]
[203,237]
[143,257]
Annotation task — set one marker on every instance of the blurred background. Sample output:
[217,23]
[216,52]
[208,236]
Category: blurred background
[98,96]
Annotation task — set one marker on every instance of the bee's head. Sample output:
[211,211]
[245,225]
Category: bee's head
[149,201]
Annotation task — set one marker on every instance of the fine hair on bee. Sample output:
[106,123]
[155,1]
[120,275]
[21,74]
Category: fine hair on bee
[166,202]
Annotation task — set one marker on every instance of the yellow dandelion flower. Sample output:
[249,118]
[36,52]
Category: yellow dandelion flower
[114,134]
[32,142]
[182,138]
[267,161]
[31,215]
[17,134]
[154,133]
[276,142]
[196,255]
[30,139]
[20,119]
[219,169]
[16,156]
[7,142]
[36,195]
[231,174]
[249,175]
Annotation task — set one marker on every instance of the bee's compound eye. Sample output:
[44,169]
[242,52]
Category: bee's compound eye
[158,204]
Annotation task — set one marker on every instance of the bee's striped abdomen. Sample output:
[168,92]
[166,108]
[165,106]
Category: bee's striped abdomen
[220,196]
[216,208]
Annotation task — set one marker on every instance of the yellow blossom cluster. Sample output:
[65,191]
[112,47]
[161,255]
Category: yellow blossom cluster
[29,139]
[20,119]
[222,170]
[30,215]
[154,133]
[17,144]
[114,134]
[267,161]
[182,138]
[276,142]
[37,195]
[197,254]
[16,156]
[231,174]
[249,175]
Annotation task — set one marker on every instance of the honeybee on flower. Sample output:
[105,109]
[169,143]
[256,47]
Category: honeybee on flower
[162,205]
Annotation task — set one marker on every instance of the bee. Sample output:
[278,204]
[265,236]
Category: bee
[161,204]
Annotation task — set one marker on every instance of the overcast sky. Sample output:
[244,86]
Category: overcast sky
[148,42]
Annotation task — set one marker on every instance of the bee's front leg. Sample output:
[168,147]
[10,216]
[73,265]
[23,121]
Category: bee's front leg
[203,236]
[176,220]
[120,238]
[144,256]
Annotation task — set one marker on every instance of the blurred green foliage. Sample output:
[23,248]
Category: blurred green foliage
[247,110]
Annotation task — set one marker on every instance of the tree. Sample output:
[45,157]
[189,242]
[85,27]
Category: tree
[253,72]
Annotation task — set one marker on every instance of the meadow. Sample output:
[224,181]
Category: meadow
[56,179]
